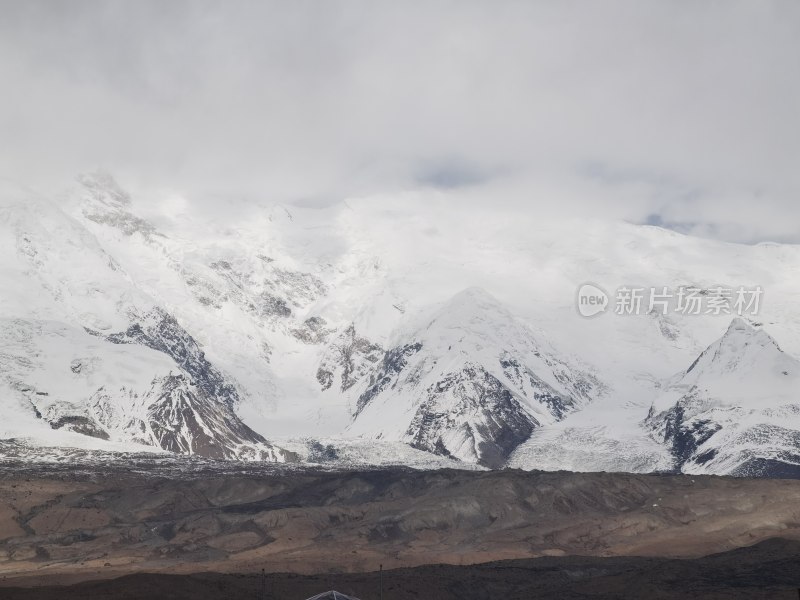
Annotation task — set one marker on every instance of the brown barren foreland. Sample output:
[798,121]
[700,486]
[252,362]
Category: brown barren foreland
[60,526]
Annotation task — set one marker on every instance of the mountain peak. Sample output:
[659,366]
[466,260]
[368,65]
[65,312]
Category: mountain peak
[740,327]
[740,324]
[728,410]
[742,354]
[742,333]
[471,296]
[472,310]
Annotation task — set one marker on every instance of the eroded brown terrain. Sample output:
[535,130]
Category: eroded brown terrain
[61,525]
[769,570]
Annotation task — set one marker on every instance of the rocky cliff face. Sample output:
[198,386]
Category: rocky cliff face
[160,331]
[347,360]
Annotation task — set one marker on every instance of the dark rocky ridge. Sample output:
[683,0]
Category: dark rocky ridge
[393,362]
[351,356]
[193,410]
[504,423]
[683,436]
[160,331]
[214,432]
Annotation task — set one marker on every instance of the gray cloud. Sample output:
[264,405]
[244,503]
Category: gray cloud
[684,110]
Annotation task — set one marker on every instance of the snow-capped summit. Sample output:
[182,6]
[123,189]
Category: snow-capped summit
[743,350]
[736,408]
[744,367]
[471,382]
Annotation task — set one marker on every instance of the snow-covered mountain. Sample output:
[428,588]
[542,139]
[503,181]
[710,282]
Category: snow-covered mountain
[735,409]
[84,351]
[472,383]
[236,328]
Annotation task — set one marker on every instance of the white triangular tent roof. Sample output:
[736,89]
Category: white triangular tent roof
[332,595]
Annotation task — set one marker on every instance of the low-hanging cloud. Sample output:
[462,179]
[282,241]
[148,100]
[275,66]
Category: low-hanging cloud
[684,112]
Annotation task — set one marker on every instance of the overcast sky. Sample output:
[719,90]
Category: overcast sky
[680,113]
